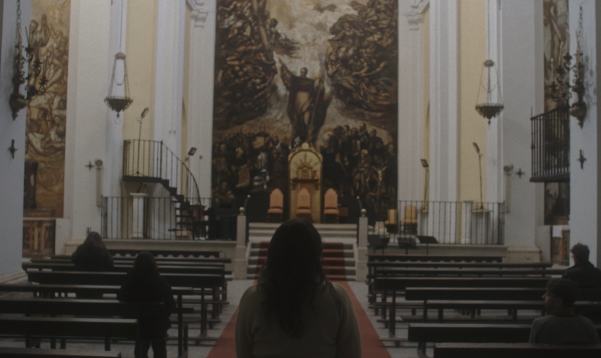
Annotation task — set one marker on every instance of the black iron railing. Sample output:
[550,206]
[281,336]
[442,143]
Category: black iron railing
[152,161]
[551,146]
[157,219]
[456,223]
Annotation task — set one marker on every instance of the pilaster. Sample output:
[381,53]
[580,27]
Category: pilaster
[200,91]
[444,155]
[411,101]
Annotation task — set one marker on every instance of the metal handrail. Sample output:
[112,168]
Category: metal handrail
[154,160]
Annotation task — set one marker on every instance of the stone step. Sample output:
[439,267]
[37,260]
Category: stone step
[326,253]
[329,270]
[326,245]
[332,261]
[330,277]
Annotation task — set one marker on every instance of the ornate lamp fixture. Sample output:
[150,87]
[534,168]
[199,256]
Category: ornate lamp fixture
[118,99]
[36,78]
[119,103]
[578,109]
[489,109]
[17,101]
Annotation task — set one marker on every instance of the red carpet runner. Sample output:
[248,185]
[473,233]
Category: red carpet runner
[371,346]
[334,259]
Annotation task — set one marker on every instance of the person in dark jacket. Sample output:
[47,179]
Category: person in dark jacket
[144,284]
[584,273]
[92,255]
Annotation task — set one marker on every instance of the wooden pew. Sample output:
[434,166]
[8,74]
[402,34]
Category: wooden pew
[86,307]
[59,327]
[486,265]
[512,306]
[434,258]
[199,282]
[126,268]
[399,284]
[514,350]
[460,272]
[6,352]
[130,261]
[487,293]
[54,290]
[469,333]
[158,259]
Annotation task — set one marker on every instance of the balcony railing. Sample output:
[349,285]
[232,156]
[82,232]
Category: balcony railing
[551,146]
[156,218]
[455,223]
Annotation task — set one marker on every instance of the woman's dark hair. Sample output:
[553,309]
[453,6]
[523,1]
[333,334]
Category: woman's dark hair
[565,289]
[94,243]
[145,267]
[291,273]
[93,248]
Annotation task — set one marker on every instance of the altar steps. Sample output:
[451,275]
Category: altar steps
[339,260]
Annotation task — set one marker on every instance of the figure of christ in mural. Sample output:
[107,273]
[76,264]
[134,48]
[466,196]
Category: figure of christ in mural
[288,72]
[307,103]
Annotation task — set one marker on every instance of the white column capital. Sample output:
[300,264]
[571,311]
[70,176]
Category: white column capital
[199,9]
[415,16]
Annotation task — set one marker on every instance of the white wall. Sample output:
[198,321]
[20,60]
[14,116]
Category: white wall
[89,72]
[521,84]
[585,183]
[11,170]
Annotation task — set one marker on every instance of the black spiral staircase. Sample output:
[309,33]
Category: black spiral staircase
[147,161]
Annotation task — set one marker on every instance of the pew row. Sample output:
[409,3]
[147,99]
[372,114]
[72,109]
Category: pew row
[469,333]
[6,352]
[514,350]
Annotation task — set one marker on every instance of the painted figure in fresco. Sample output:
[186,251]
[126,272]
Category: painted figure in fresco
[307,104]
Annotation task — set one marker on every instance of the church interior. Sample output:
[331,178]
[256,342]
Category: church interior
[424,139]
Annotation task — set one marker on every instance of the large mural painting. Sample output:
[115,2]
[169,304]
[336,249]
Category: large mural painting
[46,112]
[289,72]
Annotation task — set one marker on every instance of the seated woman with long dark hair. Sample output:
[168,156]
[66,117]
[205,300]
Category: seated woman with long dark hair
[92,255]
[144,284]
[294,311]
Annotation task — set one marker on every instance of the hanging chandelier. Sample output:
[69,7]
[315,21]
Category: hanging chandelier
[489,109]
[119,103]
[118,99]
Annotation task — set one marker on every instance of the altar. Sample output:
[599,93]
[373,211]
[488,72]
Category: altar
[305,173]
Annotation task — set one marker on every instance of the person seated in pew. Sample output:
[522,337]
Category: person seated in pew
[294,311]
[584,273]
[562,325]
[143,283]
[92,255]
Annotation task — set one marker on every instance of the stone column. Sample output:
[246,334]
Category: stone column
[362,250]
[240,263]
[138,215]
[444,155]
[169,72]
[200,91]
[411,100]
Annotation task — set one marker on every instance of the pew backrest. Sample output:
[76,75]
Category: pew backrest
[514,350]
[73,327]
[401,283]
[55,353]
[435,258]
